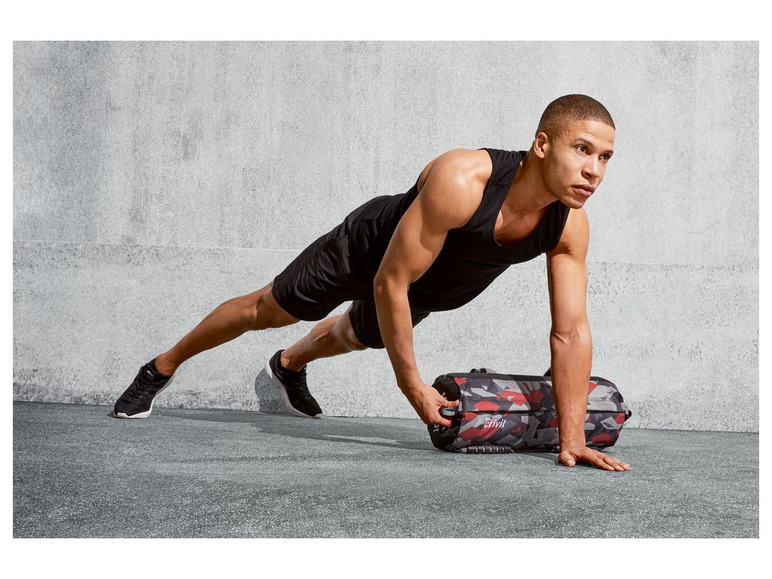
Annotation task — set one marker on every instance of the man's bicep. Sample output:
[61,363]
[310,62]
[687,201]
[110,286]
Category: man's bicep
[449,195]
[567,279]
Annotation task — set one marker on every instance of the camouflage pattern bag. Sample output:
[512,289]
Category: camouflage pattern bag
[507,413]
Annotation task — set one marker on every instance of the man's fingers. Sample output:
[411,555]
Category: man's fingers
[433,416]
[442,401]
[595,458]
[618,464]
[442,421]
[612,463]
[601,460]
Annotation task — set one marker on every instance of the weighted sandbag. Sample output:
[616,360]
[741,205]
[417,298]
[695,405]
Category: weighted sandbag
[508,413]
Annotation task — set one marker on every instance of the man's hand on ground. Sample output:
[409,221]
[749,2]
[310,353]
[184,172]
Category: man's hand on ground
[573,453]
[427,403]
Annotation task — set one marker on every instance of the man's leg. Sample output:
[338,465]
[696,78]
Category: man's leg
[255,311]
[329,337]
[287,368]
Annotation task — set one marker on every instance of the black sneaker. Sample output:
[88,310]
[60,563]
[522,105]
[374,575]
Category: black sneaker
[137,401]
[294,389]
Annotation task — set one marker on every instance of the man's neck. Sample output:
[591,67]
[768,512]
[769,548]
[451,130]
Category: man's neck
[528,193]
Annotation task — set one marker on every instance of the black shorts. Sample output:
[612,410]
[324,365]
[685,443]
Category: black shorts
[324,276]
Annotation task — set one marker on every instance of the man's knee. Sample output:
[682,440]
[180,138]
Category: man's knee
[352,343]
[345,334]
[262,311]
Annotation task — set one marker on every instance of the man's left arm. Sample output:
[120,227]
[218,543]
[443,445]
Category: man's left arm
[571,343]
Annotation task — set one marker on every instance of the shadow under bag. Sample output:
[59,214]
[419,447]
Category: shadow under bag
[500,413]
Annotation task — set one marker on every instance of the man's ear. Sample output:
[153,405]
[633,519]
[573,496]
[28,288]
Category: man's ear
[541,144]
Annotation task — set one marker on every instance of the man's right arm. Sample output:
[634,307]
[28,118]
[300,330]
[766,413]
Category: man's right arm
[450,191]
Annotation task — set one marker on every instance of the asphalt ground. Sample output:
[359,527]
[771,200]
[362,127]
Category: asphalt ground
[78,472]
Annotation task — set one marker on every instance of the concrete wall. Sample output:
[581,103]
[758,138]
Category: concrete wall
[152,181]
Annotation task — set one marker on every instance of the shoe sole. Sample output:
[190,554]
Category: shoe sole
[148,411]
[287,402]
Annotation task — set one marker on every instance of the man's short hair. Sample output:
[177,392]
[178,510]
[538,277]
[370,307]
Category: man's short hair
[571,107]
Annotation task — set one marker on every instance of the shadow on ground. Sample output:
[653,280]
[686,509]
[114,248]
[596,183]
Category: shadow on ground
[379,432]
[268,395]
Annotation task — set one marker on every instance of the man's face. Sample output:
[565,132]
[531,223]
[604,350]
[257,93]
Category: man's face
[575,161]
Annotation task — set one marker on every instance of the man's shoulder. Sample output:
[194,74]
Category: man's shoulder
[453,184]
[576,233]
[472,164]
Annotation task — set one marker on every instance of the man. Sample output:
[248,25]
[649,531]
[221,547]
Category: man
[469,216]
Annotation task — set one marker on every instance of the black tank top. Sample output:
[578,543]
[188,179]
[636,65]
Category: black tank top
[471,258]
